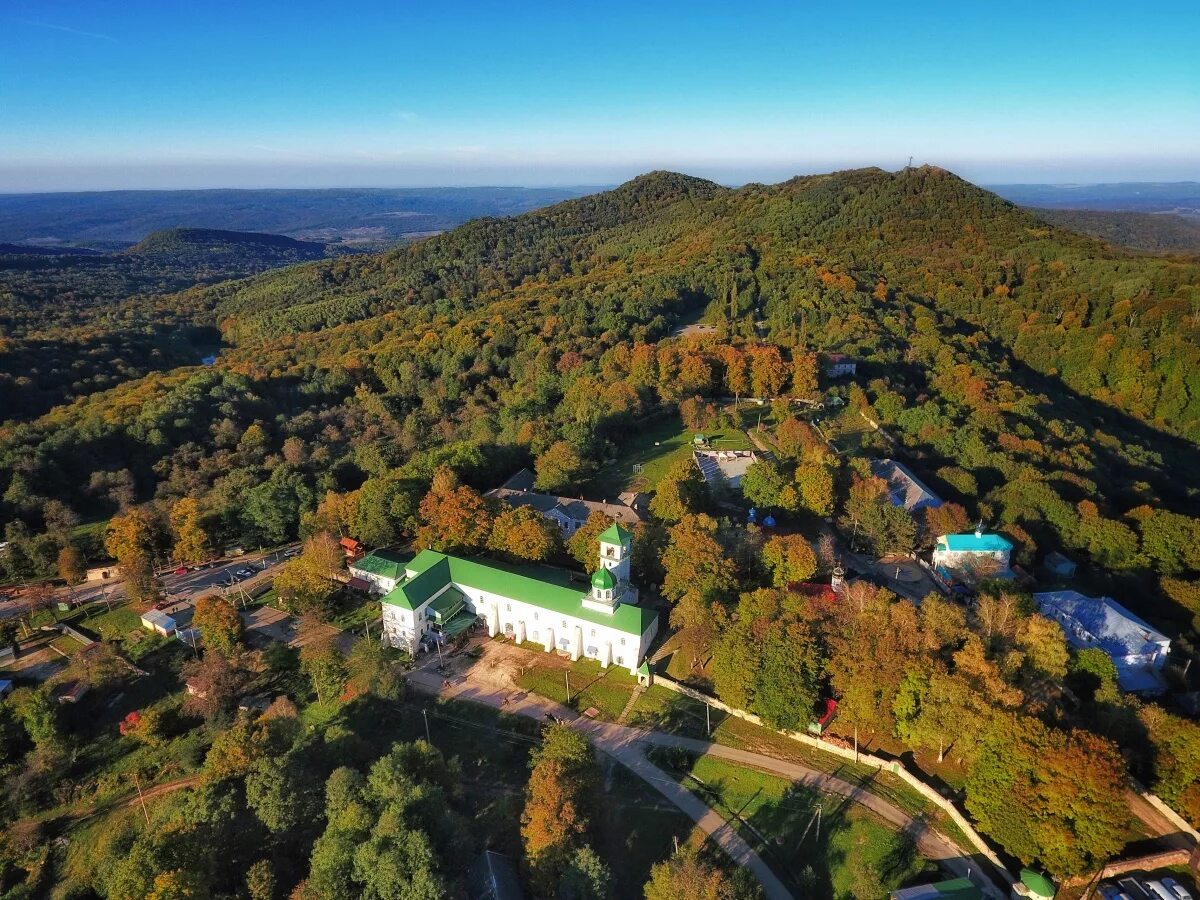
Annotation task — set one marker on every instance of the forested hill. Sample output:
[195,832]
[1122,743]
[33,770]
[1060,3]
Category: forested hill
[1041,371]
[201,249]
[1115,327]
[74,322]
[1152,232]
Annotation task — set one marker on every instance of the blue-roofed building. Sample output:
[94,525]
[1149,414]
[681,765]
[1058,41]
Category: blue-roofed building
[1138,651]
[973,557]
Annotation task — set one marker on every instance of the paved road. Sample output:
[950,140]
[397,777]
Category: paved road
[191,586]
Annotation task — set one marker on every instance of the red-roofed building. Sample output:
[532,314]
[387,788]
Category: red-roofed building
[352,548]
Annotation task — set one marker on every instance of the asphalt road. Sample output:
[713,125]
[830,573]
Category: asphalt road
[191,586]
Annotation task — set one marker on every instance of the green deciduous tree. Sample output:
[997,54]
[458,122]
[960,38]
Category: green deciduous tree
[790,558]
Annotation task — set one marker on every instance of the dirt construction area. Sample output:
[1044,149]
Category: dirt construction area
[499,664]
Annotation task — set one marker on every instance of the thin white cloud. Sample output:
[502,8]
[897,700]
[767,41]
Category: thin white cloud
[68,30]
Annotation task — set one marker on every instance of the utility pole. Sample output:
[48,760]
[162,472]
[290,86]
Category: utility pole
[428,739]
[141,799]
[567,678]
[707,719]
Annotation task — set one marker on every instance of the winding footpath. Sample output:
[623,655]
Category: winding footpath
[626,745]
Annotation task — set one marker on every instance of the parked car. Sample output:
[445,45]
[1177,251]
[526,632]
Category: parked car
[182,570]
[1112,892]
[244,573]
[1180,892]
[1135,889]
[290,552]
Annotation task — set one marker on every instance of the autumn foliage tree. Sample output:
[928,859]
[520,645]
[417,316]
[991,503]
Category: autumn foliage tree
[306,584]
[453,518]
[1049,796]
[584,544]
[219,624]
[561,466]
[187,528]
[130,539]
[71,566]
[559,800]
[522,533]
[790,558]
[681,491]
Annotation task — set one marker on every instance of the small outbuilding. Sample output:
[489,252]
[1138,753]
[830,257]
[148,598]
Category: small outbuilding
[1058,565]
[107,572]
[159,622]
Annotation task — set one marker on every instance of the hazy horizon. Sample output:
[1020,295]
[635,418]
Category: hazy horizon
[274,95]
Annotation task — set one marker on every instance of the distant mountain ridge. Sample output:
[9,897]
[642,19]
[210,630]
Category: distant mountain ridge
[323,215]
[1151,232]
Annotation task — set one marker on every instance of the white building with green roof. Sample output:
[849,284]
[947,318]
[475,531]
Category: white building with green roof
[382,570]
[440,596]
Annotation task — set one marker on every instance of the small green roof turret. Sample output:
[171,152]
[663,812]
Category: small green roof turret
[615,534]
[603,580]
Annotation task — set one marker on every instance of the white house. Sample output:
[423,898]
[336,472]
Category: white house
[838,365]
[441,596]
[972,557]
[1138,651]
[381,570]
[568,513]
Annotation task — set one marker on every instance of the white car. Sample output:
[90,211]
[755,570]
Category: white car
[1177,890]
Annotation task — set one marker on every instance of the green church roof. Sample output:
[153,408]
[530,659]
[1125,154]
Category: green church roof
[615,534]
[603,580]
[541,586]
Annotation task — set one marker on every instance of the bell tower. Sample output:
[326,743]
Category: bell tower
[610,583]
[615,544]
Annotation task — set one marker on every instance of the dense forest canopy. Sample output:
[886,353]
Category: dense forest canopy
[1154,232]
[1039,368]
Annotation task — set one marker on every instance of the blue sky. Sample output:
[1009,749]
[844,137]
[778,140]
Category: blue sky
[108,94]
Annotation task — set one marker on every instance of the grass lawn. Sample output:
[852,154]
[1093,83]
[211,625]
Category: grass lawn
[608,690]
[665,710]
[851,855]
[654,446]
[635,828]
[735,732]
[352,611]
[848,430]
[111,625]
